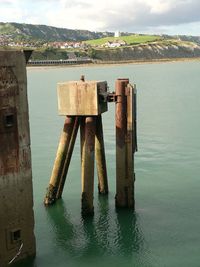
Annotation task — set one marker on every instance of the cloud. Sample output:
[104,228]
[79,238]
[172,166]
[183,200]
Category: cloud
[173,12]
[7,2]
[76,4]
[126,15]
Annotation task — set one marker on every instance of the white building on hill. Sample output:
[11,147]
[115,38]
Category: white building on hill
[117,34]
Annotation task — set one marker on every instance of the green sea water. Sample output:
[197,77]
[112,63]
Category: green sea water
[164,230]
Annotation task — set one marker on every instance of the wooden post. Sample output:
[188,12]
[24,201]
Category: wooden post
[88,126]
[124,148]
[100,157]
[68,159]
[59,161]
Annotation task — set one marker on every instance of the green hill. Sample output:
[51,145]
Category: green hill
[136,46]
[129,39]
[18,31]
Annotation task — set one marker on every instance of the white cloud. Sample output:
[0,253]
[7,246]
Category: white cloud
[126,15]
[159,7]
[7,16]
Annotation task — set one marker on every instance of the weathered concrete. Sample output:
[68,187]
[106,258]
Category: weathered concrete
[82,98]
[16,197]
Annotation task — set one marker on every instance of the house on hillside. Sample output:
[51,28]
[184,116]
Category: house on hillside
[67,45]
[122,42]
[3,41]
[114,44]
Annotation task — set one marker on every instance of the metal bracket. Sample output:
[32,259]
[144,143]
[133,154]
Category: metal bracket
[111,97]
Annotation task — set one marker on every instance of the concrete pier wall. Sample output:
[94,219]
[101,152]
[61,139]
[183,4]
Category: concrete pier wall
[16,194]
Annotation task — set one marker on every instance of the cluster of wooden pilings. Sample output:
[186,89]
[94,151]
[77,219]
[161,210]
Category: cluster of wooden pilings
[92,144]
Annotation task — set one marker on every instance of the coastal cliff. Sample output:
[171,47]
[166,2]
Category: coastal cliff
[148,52]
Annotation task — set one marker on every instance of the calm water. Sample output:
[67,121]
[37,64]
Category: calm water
[165,229]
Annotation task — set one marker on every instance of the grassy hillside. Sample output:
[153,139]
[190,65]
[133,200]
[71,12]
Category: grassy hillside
[6,28]
[49,53]
[22,31]
[129,39]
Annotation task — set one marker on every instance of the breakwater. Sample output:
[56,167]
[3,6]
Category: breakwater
[50,62]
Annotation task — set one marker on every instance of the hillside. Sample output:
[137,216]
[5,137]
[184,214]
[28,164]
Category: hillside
[150,51]
[129,39]
[58,43]
[195,39]
[18,31]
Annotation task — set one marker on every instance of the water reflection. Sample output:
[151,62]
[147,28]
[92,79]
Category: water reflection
[109,233]
[130,238]
[62,227]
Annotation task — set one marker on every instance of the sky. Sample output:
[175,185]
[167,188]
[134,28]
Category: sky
[137,16]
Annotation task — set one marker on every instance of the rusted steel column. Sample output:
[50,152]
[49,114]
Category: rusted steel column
[130,146]
[124,160]
[63,146]
[100,157]
[88,129]
[135,146]
[68,159]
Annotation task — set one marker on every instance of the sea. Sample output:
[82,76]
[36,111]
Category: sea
[164,229]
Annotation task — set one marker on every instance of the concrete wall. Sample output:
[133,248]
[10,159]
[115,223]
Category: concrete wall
[16,194]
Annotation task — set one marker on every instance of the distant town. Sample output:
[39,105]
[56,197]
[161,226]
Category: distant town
[6,40]
[53,45]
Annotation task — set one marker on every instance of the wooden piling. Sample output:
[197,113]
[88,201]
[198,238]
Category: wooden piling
[84,102]
[100,157]
[68,158]
[88,126]
[63,146]
[124,149]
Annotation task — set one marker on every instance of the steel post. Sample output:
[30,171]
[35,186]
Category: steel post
[124,159]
